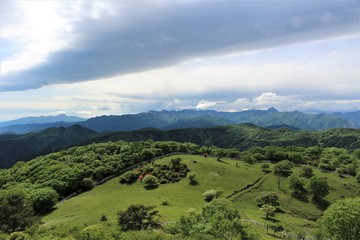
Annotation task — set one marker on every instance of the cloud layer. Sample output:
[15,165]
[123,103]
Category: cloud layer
[91,40]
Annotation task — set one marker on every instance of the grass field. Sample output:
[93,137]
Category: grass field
[230,175]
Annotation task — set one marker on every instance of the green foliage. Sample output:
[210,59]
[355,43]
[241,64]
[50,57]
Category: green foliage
[268,210]
[219,219]
[306,171]
[270,198]
[358,177]
[87,183]
[150,181]
[211,194]
[19,236]
[138,217]
[95,232]
[16,211]
[192,178]
[265,167]
[342,220]
[283,168]
[43,199]
[296,184]
[318,187]
[128,177]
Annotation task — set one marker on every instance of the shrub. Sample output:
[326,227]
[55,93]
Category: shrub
[265,167]
[283,168]
[128,177]
[95,232]
[88,183]
[150,181]
[211,194]
[44,199]
[267,198]
[306,171]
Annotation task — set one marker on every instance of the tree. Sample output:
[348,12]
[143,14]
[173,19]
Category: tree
[306,171]
[192,178]
[16,211]
[341,220]
[138,217]
[268,210]
[267,198]
[128,177]
[283,168]
[340,170]
[150,181]
[218,219]
[296,184]
[318,187]
[43,199]
[276,227]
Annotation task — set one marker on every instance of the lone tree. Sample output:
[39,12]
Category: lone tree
[296,184]
[268,210]
[138,217]
[318,187]
[267,198]
[150,181]
[341,220]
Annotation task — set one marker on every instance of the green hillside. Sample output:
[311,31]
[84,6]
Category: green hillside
[297,215]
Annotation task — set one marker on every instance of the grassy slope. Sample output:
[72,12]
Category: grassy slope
[111,197]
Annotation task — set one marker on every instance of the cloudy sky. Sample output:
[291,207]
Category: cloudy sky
[102,57]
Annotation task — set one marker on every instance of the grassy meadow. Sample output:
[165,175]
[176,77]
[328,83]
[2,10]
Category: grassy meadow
[296,214]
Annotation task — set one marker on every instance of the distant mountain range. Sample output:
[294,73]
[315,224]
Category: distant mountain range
[14,148]
[167,120]
[32,124]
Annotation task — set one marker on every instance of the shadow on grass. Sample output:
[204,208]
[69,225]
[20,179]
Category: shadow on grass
[151,187]
[321,204]
[219,160]
[301,197]
[194,183]
[271,219]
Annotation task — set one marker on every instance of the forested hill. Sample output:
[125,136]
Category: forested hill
[15,148]
[242,137]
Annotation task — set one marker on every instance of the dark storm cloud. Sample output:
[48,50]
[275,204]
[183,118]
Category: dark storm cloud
[142,37]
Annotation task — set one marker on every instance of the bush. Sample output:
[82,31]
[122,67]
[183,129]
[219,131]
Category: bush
[88,184]
[95,232]
[150,181]
[211,194]
[267,198]
[306,171]
[128,177]
[265,167]
[283,168]
[44,199]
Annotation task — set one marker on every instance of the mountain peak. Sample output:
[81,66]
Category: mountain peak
[272,109]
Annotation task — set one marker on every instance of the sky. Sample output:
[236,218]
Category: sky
[113,57]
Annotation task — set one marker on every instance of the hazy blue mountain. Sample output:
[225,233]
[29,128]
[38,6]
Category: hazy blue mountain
[33,124]
[167,120]
[32,127]
[42,119]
